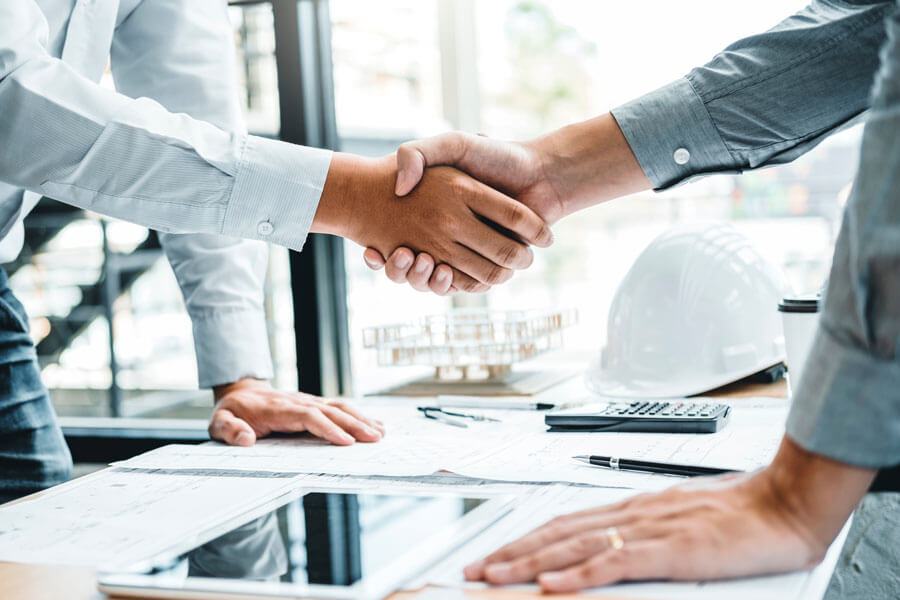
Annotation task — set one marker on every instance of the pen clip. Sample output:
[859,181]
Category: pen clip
[433,412]
[451,413]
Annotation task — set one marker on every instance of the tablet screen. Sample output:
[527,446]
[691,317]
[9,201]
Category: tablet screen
[321,538]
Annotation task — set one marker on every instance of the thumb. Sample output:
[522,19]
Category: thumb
[228,428]
[410,168]
[413,157]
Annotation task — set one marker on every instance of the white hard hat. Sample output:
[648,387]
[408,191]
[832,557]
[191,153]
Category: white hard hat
[697,310]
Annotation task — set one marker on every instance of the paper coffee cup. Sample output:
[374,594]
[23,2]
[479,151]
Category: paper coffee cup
[800,317]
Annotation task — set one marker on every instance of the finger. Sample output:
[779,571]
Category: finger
[568,551]
[510,214]
[352,410]
[441,281]
[373,259]
[531,542]
[421,271]
[358,428]
[477,267]
[398,264]
[303,417]
[410,167]
[466,283]
[652,559]
[226,427]
[497,247]
[413,157]
[556,556]
[547,534]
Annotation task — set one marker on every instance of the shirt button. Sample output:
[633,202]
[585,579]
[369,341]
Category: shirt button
[681,156]
[265,228]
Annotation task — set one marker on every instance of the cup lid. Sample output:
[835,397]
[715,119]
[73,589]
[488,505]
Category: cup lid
[799,305]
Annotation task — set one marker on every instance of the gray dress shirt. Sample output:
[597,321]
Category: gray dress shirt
[766,100]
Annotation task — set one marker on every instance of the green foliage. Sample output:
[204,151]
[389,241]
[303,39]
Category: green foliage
[549,78]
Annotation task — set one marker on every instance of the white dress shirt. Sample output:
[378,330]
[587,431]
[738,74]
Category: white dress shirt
[167,150]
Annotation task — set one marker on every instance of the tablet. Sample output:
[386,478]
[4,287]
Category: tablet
[330,544]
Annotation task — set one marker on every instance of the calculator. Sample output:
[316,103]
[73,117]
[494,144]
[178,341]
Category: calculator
[655,416]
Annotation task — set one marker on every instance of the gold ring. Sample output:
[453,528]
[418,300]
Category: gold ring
[616,541]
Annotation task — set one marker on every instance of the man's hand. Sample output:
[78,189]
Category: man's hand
[517,169]
[251,408]
[513,168]
[782,518]
[450,216]
[554,175]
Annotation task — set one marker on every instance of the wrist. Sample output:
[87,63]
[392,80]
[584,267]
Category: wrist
[589,162]
[813,492]
[221,390]
[352,187]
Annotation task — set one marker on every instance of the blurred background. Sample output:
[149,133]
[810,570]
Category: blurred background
[113,336]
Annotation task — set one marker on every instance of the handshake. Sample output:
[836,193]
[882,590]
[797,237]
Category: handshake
[452,213]
[458,212]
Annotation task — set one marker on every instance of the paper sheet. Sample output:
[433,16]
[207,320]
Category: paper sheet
[748,442]
[413,445]
[807,585]
[518,449]
[120,516]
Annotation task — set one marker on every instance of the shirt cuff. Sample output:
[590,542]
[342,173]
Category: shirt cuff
[672,136]
[276,192]
[846,405]
[231,345]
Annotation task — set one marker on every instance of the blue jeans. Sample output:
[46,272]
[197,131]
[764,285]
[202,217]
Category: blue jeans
[33,452]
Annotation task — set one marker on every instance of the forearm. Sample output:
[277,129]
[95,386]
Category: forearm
[588,163]
[72,140]
[815,493]
[764,100]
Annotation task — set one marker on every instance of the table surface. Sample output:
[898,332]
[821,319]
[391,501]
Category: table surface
[30,582]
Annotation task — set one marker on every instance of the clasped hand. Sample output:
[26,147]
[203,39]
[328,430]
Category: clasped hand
[478,232]
[515,169]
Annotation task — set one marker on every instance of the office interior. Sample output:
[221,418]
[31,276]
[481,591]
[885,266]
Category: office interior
[107,317]
[385,73]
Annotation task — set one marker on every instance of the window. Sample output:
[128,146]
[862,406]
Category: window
[538,65]
[405,69]
[79,271]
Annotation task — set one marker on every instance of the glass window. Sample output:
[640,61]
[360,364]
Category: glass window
[60,278]
[539,65]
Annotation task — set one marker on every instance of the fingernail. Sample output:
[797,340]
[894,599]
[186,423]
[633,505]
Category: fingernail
[548,239]
[243,439]
[402,262]
[441,276]
[421,266]
[497,571]
[552,578]
[474,571]
[372,431]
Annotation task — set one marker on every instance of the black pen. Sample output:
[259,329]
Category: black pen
[643,466]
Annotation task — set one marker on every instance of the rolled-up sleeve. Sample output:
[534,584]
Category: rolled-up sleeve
[70,139]
[764,100]
[847,406]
